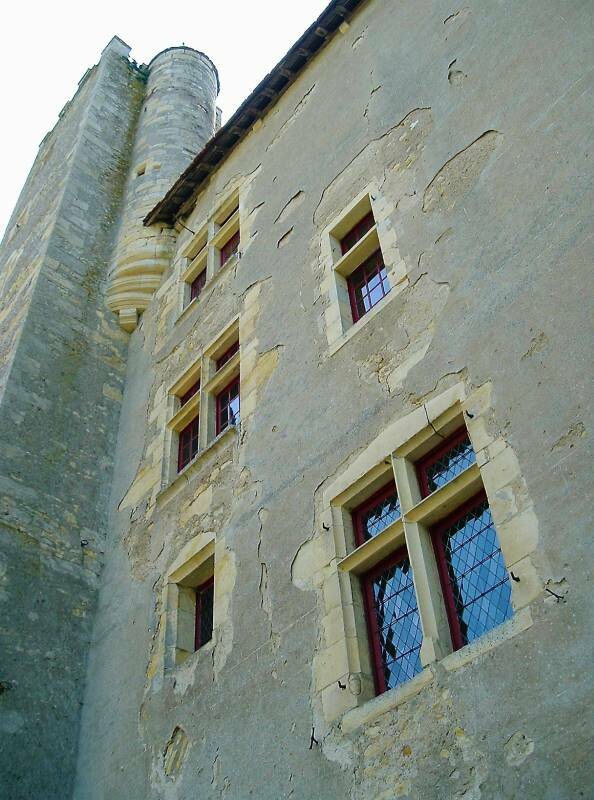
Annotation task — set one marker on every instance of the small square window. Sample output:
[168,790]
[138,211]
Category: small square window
[473,575]
[198,285]
[230,248]
[443,463]
[374,516]
[368,284]
[188,444]
[228,406]
[204,613]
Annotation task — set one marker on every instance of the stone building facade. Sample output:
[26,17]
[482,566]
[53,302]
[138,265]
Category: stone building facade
[294,421]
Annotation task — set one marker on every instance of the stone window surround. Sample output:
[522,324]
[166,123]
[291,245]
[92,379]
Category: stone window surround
[337,266]
[343,659]
[194,565]
[202,404]
[202,251]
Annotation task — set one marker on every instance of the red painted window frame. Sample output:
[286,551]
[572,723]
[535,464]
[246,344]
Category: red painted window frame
[352,289]
[434,455]
[227,355]
[375,647]
[199,591]
[180,465]
[230,247]
[358,512]
[442,565]
[197,285]
[357,232]
[187,396]
[218,404]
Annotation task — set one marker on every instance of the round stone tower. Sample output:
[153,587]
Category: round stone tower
[177,118]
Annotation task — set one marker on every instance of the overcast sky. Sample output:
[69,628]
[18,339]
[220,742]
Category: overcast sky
[45,47]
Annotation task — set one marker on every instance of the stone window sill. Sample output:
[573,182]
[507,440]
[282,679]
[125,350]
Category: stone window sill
[388,701]
[183,477]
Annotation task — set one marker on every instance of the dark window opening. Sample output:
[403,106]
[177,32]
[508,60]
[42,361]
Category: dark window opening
[228,406]
[393,621]
[229,215]
[357,232]
[188,444]
[374,515]
[227,355]
[446,461]
[473,575]
[197,285]
[204,613]
[368,284]
[230,248]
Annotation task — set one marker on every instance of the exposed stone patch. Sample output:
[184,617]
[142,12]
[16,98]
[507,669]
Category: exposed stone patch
[575,432]
[175,753]
[517,749]
[455,76]
[458,175]
[537,343]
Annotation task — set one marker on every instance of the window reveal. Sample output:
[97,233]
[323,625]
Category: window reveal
[228,406]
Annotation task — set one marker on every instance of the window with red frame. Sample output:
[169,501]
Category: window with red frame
[393,623]
[197,285]
[447,460]
[374,515]
[230,248]
[357,232]
[204,613]
[188,444]
[472,572]
[228,406]
[367,285]
[193,390]
[227,355]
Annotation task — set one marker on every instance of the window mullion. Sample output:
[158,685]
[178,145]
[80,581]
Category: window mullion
[432,612]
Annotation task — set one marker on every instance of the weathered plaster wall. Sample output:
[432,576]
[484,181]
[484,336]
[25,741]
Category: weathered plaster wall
[471,125]
[63,368]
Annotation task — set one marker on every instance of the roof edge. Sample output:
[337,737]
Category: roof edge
[254,107]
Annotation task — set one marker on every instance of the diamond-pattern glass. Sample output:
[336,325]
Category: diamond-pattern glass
[398,624]
[478,577]
[377,518]
[367,285]
[448,464]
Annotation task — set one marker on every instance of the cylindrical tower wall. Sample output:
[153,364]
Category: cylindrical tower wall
[177,118]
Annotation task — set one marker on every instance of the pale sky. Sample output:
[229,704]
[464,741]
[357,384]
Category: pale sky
[45,48]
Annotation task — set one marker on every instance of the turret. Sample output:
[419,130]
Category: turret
[177,118]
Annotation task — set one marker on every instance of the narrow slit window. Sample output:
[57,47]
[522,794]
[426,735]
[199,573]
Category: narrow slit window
[394,624]
[357,232]
[227,355]
[228,406]
[188,444]
[204,613]
[368,284]
[230,248]
[376,514]
[442,464]
[473,575]
[198,285]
